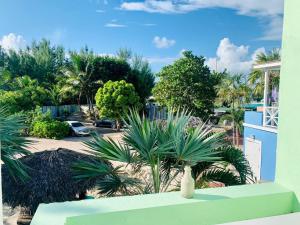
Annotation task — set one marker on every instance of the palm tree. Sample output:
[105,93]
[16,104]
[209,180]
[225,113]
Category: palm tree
[256,77]
[79,77]
[233,91]
[163,148]
[236,116]
[11,146]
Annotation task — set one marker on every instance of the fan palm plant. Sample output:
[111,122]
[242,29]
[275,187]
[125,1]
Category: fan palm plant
[12,145]
[160,148]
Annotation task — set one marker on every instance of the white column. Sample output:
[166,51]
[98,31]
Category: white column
[266,88]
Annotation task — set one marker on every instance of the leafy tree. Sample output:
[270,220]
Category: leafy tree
[140,75]
[187,83]
[164,149]
[256,77]
[5,79]
[110,68]
[114,100]
[24,94]
[40,61]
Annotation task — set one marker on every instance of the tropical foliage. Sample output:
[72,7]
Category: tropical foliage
[79,76]
[187,83]
[12,144]
[23,93]
[233,92]
[141,75]
[115,99]
[52,76]
[50,129]
[162,149]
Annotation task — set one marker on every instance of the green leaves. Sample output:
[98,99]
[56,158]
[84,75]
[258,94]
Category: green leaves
[232,168]
[163,148]
[111,181]
[108,149]
[187,83]
[12,144]
[115,99]
[160,145]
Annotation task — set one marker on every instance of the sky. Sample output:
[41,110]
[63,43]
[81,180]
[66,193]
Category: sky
[228,33]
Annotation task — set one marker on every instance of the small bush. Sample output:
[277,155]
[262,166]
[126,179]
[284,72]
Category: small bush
[50,129]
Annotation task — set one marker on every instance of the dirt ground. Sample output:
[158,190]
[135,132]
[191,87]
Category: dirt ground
[72,143]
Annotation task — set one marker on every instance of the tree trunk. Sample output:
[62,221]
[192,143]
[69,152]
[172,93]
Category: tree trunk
[118,124]
[92,109]
[89,105]
[237,137]
[233,133]
[79,97]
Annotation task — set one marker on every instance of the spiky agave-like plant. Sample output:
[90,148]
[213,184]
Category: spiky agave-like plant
[161,147]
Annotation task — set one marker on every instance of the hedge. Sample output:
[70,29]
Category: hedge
[50,129]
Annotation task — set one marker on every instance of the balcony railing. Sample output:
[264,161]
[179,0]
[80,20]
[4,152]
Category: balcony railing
[270,116]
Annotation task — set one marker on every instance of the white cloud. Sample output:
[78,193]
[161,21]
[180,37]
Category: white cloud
[12,41]
[115,24]
[270,11]
[233,58]
[274,29]
[163,42]
[149,24]
[245,7]
[152,6]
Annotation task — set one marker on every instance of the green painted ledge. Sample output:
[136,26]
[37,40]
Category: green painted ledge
[209,206]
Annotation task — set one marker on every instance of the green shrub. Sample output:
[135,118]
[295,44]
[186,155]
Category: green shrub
[50,129]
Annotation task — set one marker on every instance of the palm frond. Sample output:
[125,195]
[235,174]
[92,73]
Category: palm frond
[12,144]
[142,135]
[236,158]
[225,176]
[90,169]
[118,182]
[108,149]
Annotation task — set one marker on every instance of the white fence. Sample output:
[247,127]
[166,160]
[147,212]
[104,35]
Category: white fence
[271,117]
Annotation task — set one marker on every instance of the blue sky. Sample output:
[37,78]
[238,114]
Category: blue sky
[229,32]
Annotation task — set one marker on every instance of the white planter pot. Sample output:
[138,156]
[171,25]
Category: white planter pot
[187,183]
